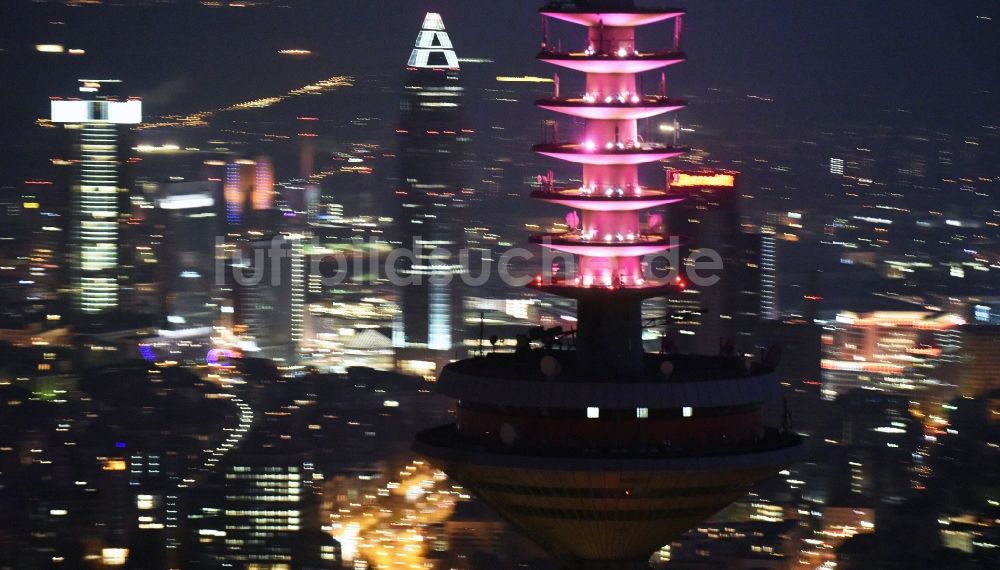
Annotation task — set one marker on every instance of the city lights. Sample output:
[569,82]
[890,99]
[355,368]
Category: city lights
[271,315]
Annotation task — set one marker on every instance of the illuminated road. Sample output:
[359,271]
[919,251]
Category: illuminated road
[235,436]
[200,119]
[391,529]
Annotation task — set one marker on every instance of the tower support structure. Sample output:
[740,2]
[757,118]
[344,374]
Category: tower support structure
[604,453]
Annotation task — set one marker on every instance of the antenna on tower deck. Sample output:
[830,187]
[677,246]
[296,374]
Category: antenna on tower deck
[482,331]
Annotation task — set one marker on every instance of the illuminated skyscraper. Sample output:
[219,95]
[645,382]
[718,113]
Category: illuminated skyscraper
[432,151]
[769,308]
[269,515]
[249,185]
[603,453]
[897,352]
[94,237]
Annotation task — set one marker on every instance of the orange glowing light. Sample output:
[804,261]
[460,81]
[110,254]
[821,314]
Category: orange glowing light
[718,180]
[115,465]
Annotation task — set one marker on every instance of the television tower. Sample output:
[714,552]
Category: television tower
[604,453]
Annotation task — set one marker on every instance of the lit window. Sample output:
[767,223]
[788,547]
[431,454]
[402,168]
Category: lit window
[687,412]
[642,413]
[114,556]
[593,413]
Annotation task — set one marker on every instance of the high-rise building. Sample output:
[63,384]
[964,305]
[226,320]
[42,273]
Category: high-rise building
[191,229]
[273,275]
[249,185]
[95,116]
[41,210]
[980,367]
[433,145]
[603,453]
[898,352]
[708,220]
[768,271]
[268,514]
[263,509]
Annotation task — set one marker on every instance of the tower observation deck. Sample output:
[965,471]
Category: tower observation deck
[604,453]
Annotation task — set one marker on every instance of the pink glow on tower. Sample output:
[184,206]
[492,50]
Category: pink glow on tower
[614,230]
[600,451]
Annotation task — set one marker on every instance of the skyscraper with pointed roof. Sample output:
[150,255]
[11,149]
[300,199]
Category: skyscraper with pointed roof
[433,49]
[432,153]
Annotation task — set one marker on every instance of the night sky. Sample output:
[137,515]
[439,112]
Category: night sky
[908,63]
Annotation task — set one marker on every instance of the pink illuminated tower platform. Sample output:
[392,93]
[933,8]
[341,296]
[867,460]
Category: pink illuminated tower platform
[601,452]
[614,228]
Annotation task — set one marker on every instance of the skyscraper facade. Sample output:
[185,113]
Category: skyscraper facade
[191,229]
[433,143]
[980,368]
[249,185]
[897,352]
[273,293]
[601,452]
[96,194]
[768,264]
[721,315]
[263,514]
